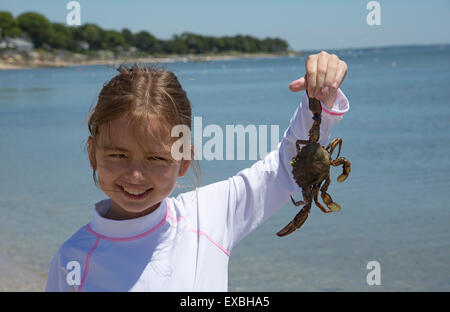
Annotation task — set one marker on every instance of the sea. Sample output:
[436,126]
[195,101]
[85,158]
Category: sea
[392,233]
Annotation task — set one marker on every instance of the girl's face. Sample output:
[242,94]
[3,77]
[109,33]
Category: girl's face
[137,177]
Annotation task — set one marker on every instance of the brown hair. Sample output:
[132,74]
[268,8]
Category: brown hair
[141,93]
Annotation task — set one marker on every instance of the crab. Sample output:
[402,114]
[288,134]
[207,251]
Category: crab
[311,167]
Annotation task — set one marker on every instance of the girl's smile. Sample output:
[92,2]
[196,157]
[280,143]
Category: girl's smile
[134,194]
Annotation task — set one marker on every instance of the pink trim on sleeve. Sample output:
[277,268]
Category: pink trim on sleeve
[324,108]
[340,105]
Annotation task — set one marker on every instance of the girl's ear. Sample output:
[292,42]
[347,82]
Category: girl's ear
[184,167]
[91,153]
[185,164]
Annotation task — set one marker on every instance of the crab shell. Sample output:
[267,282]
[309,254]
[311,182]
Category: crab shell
[311,165]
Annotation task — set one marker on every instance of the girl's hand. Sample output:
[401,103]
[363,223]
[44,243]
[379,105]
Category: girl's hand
[324,75]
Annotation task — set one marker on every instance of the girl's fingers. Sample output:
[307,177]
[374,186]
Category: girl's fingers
[298,85]
[340,74]
[322,64]
[333,64]
[324,75]
[311,73]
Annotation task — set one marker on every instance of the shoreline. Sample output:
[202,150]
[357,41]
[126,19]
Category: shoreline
[129,60]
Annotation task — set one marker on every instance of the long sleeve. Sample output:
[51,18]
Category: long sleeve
[232,208]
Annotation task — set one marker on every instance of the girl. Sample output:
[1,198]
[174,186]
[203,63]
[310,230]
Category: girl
[139,239]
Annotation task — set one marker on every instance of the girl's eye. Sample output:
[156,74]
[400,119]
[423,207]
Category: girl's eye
[117,155]
[153,158]
[157,158]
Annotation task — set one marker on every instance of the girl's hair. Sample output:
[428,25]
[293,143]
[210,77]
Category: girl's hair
[141,93]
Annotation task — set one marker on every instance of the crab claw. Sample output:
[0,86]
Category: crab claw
[297,222]
[342,177]
[334,207]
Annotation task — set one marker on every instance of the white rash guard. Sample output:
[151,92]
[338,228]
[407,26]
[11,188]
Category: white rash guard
[182,245]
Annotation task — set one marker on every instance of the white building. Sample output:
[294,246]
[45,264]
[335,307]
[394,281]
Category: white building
[18,44]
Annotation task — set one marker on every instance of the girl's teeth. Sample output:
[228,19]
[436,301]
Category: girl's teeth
[133,192]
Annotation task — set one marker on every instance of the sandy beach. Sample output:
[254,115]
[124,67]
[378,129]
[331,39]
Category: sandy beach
[16,278]
[4,65]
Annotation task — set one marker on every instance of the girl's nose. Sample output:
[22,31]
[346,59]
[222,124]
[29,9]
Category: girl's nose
[136,172]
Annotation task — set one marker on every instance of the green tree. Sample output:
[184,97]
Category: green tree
[113,39]
[36,26]
[195,43]
[41,31]
[274,45]
[147,42]
[61,37]
[128,37]
[176,45]
[92,34]
[8,25]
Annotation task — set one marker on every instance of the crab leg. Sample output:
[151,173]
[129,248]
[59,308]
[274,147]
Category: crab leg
[297,203]
[314,105]
[315,192]
[314,132]
[298,142]
[301,217]
[345,169]
[316,108]
[327,198]
[332,145]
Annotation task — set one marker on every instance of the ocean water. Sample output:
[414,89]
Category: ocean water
[395,203]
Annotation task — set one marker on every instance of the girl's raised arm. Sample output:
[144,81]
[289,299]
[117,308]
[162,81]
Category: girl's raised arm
[230,209]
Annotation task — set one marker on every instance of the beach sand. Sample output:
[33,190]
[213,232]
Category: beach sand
[115,62]
[15,278]
[6,66]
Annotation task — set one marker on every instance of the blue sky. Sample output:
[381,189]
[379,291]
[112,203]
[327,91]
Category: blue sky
[305,24]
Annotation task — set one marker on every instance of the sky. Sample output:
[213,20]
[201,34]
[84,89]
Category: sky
[304,24]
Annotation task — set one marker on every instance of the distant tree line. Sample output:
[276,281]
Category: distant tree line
[45,34]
